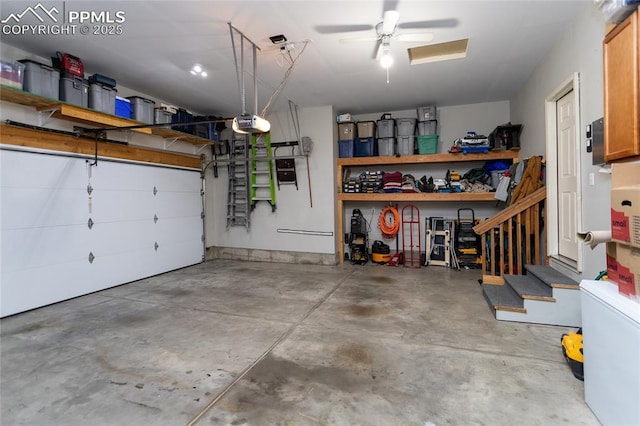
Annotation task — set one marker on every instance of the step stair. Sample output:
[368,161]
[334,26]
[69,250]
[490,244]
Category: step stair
[542,296]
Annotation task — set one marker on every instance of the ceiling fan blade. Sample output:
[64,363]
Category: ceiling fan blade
[421,37]
[434,23]
[357,39]
[390,21]
[331,29]
[377,52]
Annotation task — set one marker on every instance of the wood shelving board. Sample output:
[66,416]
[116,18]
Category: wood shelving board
[428,158]
[65,111]
[419,196]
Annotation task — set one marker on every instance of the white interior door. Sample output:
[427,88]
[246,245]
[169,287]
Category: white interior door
[567,175]
[58,241]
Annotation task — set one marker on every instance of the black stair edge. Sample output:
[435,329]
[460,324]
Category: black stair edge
[503,297]
[529,287]
[549,276]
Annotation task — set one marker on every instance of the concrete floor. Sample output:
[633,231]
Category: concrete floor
[235,343]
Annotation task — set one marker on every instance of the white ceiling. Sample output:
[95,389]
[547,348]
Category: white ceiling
[161,40]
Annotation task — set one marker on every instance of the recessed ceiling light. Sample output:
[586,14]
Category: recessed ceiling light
[197,68]
[203,74]
[193,72]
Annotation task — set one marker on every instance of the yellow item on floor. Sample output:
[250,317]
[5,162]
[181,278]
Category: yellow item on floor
[572,350]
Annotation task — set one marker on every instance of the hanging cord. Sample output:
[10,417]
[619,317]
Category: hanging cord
[293,62]
[389,227]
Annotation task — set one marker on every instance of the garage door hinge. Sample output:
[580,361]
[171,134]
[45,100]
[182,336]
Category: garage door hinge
[155,246]
[155,190]
[90,223]
[155,218]
[201,215]
[91,257]
[89,189]
[202,238]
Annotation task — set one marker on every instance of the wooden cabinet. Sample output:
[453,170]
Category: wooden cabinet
[423,160]
[621,93]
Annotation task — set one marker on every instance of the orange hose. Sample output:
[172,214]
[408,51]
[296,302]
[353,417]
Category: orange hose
[389,229]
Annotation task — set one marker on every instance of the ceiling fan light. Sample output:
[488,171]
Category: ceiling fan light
[386,60]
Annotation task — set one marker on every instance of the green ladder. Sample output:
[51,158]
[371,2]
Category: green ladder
[263,187]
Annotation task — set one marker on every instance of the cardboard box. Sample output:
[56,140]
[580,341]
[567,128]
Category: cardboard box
[623,268]
[625,203]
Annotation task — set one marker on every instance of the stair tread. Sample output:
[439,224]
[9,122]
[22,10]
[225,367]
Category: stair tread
[502,296]
[549,276]
[525,285]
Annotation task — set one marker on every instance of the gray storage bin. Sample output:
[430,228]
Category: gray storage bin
[386,128]
[406,145]
[406,126]
[142,109]
[429,127]
[41,79]
[102,98]
[161,116]
[74,90]
[427,113]
[386,146]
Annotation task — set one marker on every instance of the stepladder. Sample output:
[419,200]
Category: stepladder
[262,186]
[238,203]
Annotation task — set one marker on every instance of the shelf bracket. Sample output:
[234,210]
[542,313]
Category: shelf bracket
[45,115]
[198,149]
[170,141]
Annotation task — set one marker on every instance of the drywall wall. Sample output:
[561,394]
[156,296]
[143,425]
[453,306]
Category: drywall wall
[294,212]
[579,51]
[453,123]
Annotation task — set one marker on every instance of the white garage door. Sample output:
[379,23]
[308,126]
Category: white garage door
[59,241]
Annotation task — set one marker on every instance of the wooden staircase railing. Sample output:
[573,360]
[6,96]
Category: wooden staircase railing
[511,238]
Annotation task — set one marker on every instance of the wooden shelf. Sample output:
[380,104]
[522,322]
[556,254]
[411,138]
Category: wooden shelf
[77,114]
[429,158]
[418,196]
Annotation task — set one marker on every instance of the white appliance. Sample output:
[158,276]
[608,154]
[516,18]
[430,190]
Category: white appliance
[611,337]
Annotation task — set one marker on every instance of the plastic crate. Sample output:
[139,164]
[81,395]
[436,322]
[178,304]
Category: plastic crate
[345,148]
[366,129]
[427,113]
[123,107]
[405,145]
[41,79]
[386,128]
[429,127]
[102,98]
[386,146]
[11,73]
[75,90]
[142,109]
[347,131]
[428,144]
[161,116]
[366,147]
[406,126]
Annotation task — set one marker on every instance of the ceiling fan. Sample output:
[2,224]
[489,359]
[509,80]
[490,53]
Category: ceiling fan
[386,30]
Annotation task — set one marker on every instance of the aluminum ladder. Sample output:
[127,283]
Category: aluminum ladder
[263,187]
[238,213]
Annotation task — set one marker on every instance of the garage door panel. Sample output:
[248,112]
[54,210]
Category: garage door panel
[178,204]
[28,170]
[112,206]
[36,207]
[44,285]
[39,247]
[47,241]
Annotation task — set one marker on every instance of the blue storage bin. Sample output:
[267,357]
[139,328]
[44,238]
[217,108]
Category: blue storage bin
[345,148]
[123,107]
[366,147]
